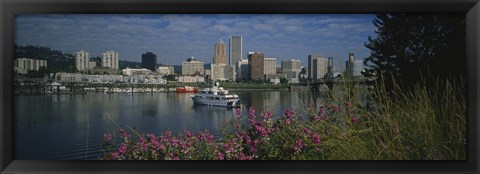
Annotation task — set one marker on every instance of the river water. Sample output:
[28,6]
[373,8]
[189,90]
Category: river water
[70,127]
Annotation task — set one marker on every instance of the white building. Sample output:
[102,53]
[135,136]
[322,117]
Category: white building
[269,66]
[82,60]
[110,59]
[191,79]
[154,80]
[242,69]
[92,65]
[191,67]
[131,71]
[165,70]
[70,77]
[104,79]
[23,65]
[317,66]
[222,72]
[133,79]
[292,69]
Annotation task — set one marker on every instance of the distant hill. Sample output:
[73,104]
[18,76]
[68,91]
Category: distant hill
[58,61]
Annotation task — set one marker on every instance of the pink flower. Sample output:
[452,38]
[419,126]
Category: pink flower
[298,145]
[115,155]
[123,148]
[238,112]
[220,156]
[354,120]
[107,137]
[175,158]
[267,115]
[316,138]
[336,109]
[188,133]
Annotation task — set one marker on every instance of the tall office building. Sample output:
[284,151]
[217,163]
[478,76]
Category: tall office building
[242,69]
[270,66]
[235,49]
[82,60]
[292,69]
[256,65]
[317,66]
[220,54]
[192,66]
[149,61]
[353,67]
[110,59]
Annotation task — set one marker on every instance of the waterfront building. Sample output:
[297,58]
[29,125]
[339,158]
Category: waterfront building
[154,80]
[166,70]
[192,66]
[235,50]
[110,60]
[255,64]
[23,65]
[317,66]
[104,79]
[70,77]
[222,72]
[133,79]
[242,69]
[270,66]
[149,61]
[292,68]
[191,79]
[105,70]
[82,60]
[131,71]
[220,53]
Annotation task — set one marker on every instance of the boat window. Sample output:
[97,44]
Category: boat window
[218,98]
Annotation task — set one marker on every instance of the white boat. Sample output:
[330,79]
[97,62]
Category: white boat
[216,96]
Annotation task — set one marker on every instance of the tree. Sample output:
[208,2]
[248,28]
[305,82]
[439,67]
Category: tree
[170,77]
[283,81]
[408,46]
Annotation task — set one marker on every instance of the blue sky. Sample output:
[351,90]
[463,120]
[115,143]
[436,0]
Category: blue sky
[173,38]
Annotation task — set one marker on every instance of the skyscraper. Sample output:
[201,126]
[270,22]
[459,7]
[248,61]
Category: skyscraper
[149,61]
[220,54]
[235,49]
[353,67]
[110,59]
[317,66]
[82,60]
[256,65]
[292,69]
[270,66]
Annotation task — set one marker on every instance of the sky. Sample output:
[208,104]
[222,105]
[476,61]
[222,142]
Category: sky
[175,37]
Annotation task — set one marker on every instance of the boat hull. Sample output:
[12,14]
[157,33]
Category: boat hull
[222,103]
[183,90]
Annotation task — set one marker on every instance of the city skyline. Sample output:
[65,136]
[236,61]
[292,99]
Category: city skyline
[176,37]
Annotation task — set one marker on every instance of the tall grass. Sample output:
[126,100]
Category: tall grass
[426,123]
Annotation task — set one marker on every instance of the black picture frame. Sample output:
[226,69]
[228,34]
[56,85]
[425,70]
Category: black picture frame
[9,8]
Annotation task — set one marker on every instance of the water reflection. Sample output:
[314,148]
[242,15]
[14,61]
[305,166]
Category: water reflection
[71,126]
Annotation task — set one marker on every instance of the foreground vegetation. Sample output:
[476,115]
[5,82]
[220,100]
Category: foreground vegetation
[419,124]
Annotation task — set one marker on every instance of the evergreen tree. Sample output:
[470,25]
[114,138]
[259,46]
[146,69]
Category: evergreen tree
[408,47]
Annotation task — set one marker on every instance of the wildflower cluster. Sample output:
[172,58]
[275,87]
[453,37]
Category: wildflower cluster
[259,138]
